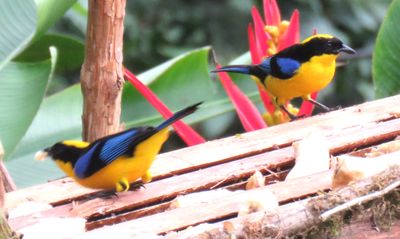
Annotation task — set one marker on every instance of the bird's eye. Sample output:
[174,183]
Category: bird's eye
[329,44]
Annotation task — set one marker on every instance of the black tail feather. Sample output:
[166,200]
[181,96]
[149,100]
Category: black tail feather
[179,115]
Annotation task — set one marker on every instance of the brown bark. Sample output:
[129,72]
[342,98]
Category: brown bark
[2,189]
[101,73]
[5,230]
[8,182]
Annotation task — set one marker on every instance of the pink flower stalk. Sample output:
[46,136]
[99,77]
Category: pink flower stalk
[187,134]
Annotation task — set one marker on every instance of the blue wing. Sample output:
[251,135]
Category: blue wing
[104,151]
[287,66]
[266,65]
[83,164]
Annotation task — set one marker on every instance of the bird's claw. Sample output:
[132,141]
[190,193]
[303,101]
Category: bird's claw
[335,108]
[136,186]
[104,194]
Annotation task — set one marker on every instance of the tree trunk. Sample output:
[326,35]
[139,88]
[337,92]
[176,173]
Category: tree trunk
[101,73]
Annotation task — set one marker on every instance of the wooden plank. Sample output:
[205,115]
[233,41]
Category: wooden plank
[378,149]
[158,208]
[228,206]
[166,189]
[235,147]
[289,218]
[180,218]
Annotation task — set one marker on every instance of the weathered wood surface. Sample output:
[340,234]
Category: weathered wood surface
[235,147]
[223,163]
[291,219]
[169,188]
[228,205]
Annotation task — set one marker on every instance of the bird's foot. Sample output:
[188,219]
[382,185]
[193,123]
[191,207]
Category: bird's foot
[136,186]
[102,194]
[334,108]
[296,117]
[107,194]
[323,107]
[291,116]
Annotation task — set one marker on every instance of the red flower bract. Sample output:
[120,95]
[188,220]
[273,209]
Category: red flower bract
[246,110]
[184,131]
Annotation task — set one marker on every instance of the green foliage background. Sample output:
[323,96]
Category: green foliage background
[157,30]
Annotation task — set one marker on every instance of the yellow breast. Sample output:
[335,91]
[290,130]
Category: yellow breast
[130,168]
[312,76]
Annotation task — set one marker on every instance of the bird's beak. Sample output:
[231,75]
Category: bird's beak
[347,49]
[41,155]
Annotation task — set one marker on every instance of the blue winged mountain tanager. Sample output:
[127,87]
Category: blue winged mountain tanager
[298,70]
[115,161]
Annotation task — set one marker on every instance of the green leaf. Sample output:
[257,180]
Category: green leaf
[21,21]
[22,90]
[49,11]
[17,23]
[70,51]
[386,60]
[179,82]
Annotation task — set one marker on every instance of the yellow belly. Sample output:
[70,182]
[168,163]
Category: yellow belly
[312,76]
[130,168]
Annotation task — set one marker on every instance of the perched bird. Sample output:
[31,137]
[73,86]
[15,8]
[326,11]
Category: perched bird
[115,161]
[298,70]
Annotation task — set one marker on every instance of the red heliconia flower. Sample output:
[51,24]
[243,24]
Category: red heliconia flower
[187,134]
[248,114]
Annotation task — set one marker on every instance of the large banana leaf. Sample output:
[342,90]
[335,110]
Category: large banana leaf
[21,92]
[22,21]
[386,59]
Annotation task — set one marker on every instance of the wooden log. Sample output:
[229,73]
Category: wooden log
[236,147]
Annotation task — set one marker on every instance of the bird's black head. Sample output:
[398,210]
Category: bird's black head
[326,44]
[57,151]
[61,151]
[316,45]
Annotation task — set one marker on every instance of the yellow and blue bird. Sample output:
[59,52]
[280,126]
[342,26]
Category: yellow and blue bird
[297,71]
[115,161]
